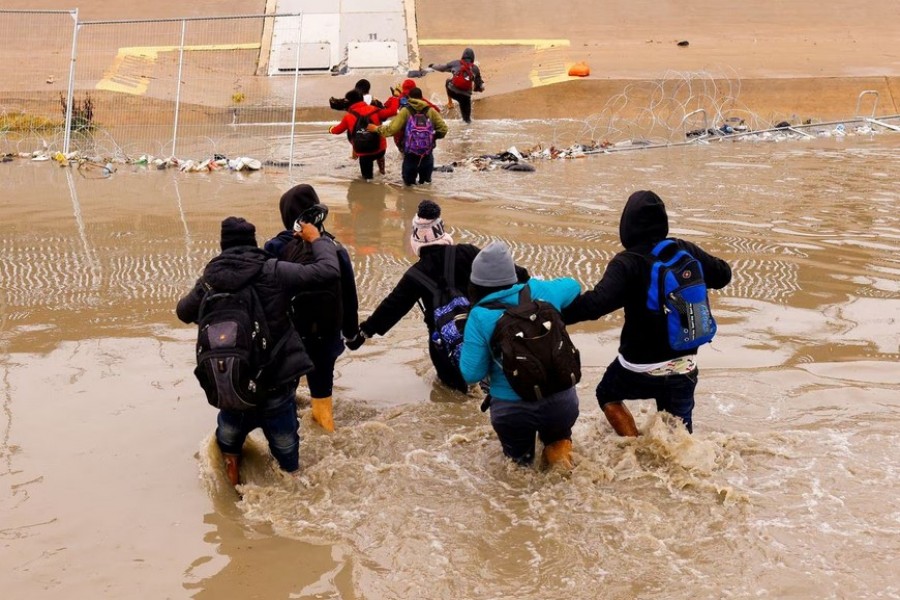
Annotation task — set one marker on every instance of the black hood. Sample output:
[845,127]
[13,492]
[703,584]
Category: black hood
[234,267]
[469,55]
[295,201]
[644,220]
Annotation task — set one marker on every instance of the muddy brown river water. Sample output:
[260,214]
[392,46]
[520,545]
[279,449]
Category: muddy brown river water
[111,487]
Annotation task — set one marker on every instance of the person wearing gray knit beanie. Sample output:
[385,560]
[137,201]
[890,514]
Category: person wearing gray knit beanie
[494,291]
[494,266]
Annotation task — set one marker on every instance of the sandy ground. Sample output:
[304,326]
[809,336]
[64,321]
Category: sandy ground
[806,58]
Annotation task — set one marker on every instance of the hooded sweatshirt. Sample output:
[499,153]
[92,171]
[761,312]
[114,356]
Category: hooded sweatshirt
[644,338]
[341,294]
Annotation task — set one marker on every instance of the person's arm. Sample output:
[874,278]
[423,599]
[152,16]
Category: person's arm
[324,268]
[479,82]
[341,127]
[716,272]
[444,67]
[393,308]
[475,355]
[188,308]
[349,297]
[565,290]
[440,125]
[608,295]
[393,126]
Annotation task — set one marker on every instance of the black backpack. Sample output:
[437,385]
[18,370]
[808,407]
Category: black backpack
[364,141]
[233,348]
[677,290]
[451,309]
[533,347]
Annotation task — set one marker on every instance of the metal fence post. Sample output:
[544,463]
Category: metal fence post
[294,100]
[70,93]
[178,85]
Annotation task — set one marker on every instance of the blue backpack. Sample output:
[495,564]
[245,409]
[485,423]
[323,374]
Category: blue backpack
[451,310]
[677,290]
[418,137]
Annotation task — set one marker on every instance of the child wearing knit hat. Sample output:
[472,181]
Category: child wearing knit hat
[430,242]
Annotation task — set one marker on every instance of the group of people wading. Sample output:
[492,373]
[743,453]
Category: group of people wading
[301,286]
[411,120]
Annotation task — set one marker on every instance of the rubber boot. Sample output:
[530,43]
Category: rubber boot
[322,413]
[232,467]
[559,453]
[380,162]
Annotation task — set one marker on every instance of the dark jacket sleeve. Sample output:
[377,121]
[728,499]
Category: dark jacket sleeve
[293,277]
[394,307]
[607,296]
[349,297]
[479,82]
[716,272]
[188,309]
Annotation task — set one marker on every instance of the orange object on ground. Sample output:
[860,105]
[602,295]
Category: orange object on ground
[579,69]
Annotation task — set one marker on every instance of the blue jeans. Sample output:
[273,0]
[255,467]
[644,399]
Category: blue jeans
[516,423]
[674,394]
[278,419]
[323,351]
[417,166]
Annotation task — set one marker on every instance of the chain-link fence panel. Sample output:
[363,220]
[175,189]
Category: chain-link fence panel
[36,47]
[180,87]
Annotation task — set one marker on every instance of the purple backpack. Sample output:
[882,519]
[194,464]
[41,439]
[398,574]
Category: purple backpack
[419,135]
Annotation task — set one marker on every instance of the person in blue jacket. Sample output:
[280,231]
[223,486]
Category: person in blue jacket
[516,421]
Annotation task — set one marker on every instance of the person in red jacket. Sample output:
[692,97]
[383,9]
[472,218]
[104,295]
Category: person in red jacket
[367,149]
[399,99]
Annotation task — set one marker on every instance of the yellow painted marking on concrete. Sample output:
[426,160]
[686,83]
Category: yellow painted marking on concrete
[144,57]
[537,43]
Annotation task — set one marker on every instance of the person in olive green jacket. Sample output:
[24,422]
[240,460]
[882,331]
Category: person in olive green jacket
[421,125]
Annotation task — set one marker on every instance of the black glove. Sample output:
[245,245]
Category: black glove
[356,341]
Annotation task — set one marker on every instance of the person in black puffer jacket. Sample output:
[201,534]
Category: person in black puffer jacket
[428,240]
[321,314]
[646,367]
[275,283]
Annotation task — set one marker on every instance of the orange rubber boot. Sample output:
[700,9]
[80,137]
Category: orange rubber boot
[322,413]
[232,467]
[559,453]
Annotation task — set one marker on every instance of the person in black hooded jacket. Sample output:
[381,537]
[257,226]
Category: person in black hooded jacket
[275,282]
[429,241]
[322,313]
[646,367]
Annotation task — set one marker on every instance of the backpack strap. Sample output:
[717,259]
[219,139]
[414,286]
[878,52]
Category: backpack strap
[524,297]
[427,282]
[450,266]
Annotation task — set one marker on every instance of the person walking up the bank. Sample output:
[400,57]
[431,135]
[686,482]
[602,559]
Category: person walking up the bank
[657,354]
[258,288]
[322,313]
[421,126]
[465,79]
[494,289]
